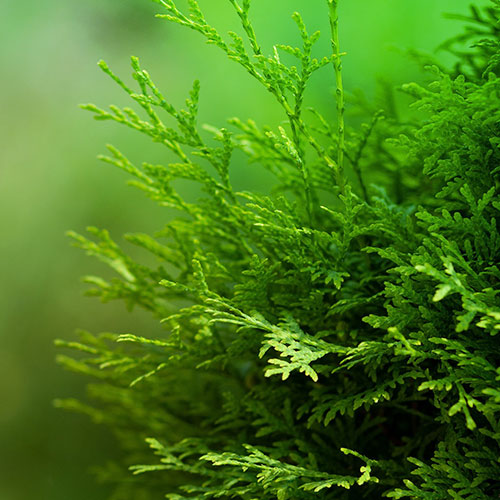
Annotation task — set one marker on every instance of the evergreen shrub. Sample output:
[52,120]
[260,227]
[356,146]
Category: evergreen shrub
[335,339]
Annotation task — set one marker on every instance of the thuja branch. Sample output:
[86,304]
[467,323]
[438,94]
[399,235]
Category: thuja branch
[264,72]
[267,313]
[337,64]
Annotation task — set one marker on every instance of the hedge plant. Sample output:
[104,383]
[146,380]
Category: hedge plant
[334,339]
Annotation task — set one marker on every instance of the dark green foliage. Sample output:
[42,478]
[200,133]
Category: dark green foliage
[337,339]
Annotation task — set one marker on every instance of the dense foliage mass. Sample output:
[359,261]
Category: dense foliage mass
[336,339]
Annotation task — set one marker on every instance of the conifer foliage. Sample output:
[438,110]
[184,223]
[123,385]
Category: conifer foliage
[336,339]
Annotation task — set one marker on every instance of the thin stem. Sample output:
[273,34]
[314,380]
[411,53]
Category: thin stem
[337,64]
[359,153]
[303,169]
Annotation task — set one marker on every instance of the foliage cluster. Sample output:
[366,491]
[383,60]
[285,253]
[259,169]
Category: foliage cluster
[336,338]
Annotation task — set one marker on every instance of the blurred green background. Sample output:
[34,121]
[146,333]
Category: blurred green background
[50,181]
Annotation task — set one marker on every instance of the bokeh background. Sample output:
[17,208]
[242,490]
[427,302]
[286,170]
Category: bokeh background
[50,181]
